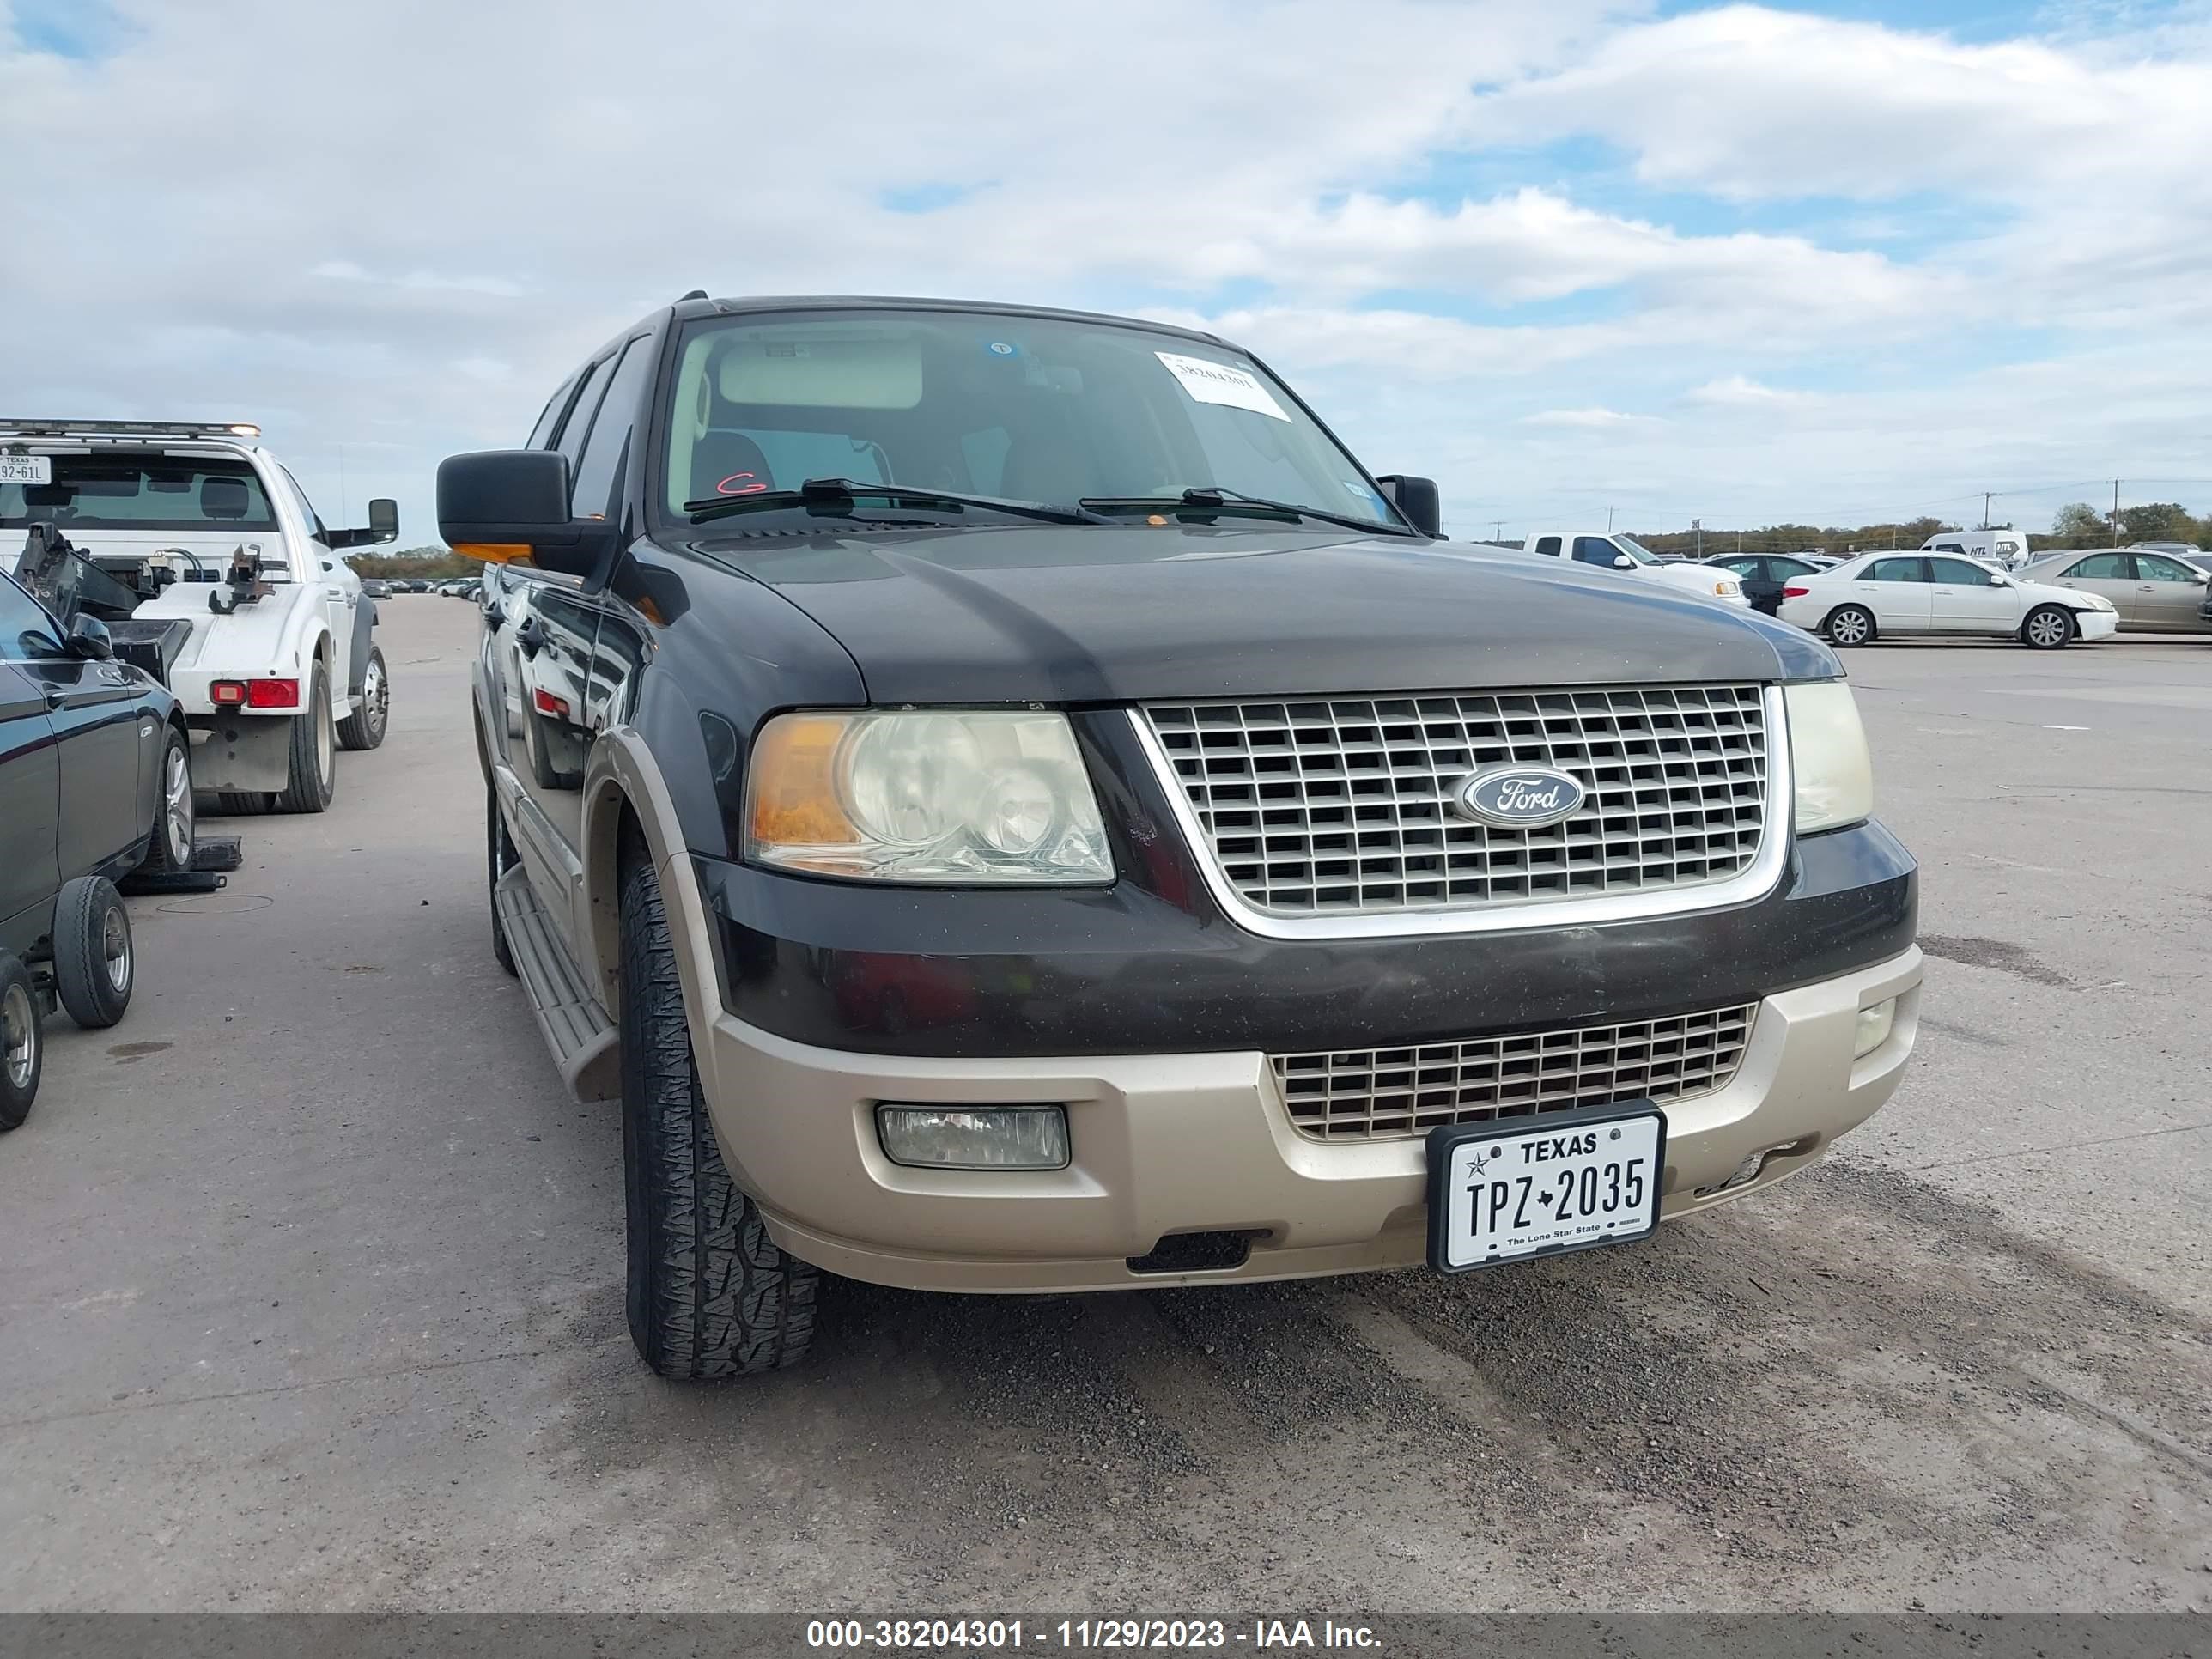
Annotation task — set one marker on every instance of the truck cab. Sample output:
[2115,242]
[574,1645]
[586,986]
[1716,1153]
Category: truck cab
[1606,550]
[203,556]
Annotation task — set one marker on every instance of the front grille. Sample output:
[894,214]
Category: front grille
[1336,806]
[1373,1094]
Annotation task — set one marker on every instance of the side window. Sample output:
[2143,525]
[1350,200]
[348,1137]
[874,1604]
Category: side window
[1747,568]
[1782,570]
[1596,549]
[2101,567]
[1893,571]
[578,424]
[592,495]
[28,634]
[306,507]
[1948,547]
[1958,574]
[2155,567]
[555,407]
[1548,545]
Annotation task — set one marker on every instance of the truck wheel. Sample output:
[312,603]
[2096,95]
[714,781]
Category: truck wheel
[372,710]
[312,779]
[500,855]
[1849,624]
[169,847]
[2047,627]
[22,1041]
[710,1293]
[93,965]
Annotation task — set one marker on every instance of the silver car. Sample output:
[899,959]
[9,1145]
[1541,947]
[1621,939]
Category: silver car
[2154,592]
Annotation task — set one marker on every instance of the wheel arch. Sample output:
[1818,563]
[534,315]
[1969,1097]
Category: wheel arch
[623,784]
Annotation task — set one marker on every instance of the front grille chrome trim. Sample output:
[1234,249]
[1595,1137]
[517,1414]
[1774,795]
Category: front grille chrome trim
[1756,880]
[1403,1091]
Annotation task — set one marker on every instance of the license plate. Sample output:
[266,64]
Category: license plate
[1500,1192]
[26,469]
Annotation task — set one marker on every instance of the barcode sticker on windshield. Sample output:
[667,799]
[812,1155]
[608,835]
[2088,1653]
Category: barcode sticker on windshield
[1211,382]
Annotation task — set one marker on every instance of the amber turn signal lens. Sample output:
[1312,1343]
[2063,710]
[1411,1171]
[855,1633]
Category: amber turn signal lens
[493,552]
[794,793]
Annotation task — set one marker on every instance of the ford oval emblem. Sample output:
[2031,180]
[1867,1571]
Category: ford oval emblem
[1519,797]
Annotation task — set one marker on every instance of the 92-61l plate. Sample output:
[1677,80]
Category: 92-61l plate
[1566,1181]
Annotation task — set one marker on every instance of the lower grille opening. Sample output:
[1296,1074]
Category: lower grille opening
[1196,1253]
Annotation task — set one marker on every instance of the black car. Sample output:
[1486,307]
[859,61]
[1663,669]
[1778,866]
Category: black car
[95,781]
[1763,576]
[1007,802]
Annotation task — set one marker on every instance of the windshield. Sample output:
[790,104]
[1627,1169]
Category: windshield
[142,492]
[1026,408]
[1636,550]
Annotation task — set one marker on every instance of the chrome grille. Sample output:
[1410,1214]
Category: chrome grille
[1334,806]
[1371,1094]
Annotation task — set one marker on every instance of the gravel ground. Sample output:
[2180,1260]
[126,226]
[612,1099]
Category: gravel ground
[314,1295]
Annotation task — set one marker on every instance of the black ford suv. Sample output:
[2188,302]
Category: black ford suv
[1007,802]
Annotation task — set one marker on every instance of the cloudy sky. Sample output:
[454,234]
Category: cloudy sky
[1838,262]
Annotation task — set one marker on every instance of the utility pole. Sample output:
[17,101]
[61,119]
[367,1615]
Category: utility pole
[1699,525]
[1985,509]
[2116,513]
[1498,530]
[1608,522]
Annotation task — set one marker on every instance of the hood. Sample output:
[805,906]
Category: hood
[1119,614]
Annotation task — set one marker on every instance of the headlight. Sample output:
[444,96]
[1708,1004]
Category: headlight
[1727,589]
[958,798]
[2097,601]
[1828,756]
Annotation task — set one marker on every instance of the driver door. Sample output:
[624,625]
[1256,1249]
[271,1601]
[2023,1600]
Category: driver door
[2169,595]
[1964,598]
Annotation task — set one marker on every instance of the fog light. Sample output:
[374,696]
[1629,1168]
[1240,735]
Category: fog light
[975,1137]
[1874,1025]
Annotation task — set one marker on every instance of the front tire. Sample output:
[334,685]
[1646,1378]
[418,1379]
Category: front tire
[710,1293]
[311,779]
[1849,625]
[22,1041]
[500,856]
[94,966]
[170,845]
[2047,627]
[372,710]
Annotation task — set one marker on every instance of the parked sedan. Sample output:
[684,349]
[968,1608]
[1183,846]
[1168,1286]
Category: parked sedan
[1918,594]
[1763,574]
[2155,593]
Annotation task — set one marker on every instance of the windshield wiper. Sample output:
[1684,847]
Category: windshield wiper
[1214,499]
[845,493]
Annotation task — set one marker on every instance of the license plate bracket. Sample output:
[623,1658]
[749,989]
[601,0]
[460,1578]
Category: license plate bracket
[26,469]
[1472,1224]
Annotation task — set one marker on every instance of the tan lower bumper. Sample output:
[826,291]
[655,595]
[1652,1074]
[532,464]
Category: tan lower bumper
[1169,1144]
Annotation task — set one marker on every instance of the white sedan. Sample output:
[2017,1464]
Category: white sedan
[1914,594]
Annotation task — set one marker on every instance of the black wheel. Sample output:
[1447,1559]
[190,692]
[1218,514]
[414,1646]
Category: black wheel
[710,1293]
[93,965]
[22,1041]
[1849,624]
[169,847]
[372,710]
[313,776]
[499,848]
[2047,627]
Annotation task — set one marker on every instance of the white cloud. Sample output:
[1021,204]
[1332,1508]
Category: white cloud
[418,243]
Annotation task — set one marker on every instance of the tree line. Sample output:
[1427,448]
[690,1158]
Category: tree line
[2076,524]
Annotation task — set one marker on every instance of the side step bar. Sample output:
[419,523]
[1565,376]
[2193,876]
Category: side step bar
[576,1028]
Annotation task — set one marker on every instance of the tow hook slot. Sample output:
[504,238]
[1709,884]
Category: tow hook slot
[1196,1253]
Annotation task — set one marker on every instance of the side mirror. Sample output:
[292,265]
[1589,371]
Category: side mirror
[1416,500]
[2001,582]
[501,505]
[1622,561]
[383,526]
[89,639]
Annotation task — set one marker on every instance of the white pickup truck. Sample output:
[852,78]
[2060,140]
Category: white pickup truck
[1606,549]
[214,572]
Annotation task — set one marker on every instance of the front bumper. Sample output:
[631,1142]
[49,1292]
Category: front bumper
[2096,624]
[1168,1144]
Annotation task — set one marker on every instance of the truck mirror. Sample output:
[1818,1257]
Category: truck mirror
[383,520]
[501,505]
[1622,561]
[1416,500]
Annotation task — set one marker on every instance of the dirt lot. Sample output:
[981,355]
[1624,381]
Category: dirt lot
[312,1299]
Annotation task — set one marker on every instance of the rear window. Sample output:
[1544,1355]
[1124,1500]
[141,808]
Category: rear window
[142,492]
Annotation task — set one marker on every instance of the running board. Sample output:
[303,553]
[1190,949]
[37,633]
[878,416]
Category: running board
[577,1030]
